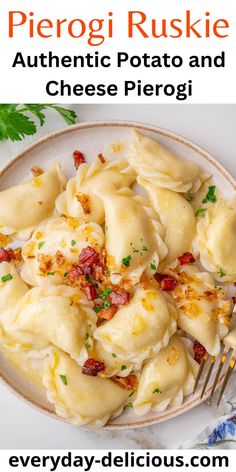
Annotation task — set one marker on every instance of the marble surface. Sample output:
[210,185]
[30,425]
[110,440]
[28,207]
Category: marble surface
[213,128]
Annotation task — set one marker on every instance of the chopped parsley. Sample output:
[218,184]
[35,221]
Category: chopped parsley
[210,196]
[91,279]
[65,274]
[40,245]
[130,405]
[106,305]
[221,272]
[123,367]
[6,278]
[189,197]
[144,248]
[88,346]
[86,335]
[50,273]
[106,271]
[98,308]
[130,395]
[114,355]
[153,266]
[156,390]
[105,293]
[126,261]
[73,242]
[200,212]
[63,379]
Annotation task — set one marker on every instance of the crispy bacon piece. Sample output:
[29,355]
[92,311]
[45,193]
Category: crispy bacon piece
[128,383]
[186,258]
[199,352]
[74,275]
[5,255]
[78,158]
[83,199]
[119,298]
[168,283]
[234,300]
[109,313]
[102,158]
[36,171]
[89,257]
[93,367]
[98,273]
[90,291]
[60,260]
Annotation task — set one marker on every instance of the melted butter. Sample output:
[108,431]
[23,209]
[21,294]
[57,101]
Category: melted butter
[30,369]
[37,182]
[138,325]
[4,240]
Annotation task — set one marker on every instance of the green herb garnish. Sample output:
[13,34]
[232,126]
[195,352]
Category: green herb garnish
[189,197]
[15,124]
[210,196]
[106,305]
[157,390]
[98,308]
[63,379]
[114,355]
[200,212]
[130,405]
[73,242]
[123,367]
[106,271]
[144,248]
[222,274]
[6,278]
[153,266]
[130,395]
[126,261]
[105,293]
[50,273]
[40,245]
[88,346]
[65,274]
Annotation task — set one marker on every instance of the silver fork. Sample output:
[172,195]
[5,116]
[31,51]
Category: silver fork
[227,361]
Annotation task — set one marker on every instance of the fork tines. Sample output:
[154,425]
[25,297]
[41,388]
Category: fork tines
[228,357]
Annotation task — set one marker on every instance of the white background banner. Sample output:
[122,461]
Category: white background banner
[161,36]
[100,460]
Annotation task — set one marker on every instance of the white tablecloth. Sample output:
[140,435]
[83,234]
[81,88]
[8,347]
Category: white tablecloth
[213,128]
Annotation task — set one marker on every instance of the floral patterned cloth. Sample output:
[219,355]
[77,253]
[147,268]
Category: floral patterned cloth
[221,433]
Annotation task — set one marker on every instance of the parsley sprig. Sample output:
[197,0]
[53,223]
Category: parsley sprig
[15,123]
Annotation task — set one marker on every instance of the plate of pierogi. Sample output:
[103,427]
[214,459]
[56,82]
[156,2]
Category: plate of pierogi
[117,273]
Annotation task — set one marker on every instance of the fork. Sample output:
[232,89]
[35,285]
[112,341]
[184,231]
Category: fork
[227,357]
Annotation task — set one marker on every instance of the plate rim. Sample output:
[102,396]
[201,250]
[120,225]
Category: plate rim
[125,124]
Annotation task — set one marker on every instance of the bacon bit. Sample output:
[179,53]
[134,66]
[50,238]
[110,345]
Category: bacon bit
[209,294]
[98,273]
[186,258]
[199,352]
[45,263]
[83,199]
[93,367]
[234,300]
[120,298]
[74,275]
[109,313]
[89,257]
[128,383]
[60,260]
[90,291]
[36,171]
[5,255]
[78,158]
[168,283]
[17,256]
[102,158]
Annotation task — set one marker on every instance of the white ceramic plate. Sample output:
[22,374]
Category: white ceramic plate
[91,138]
